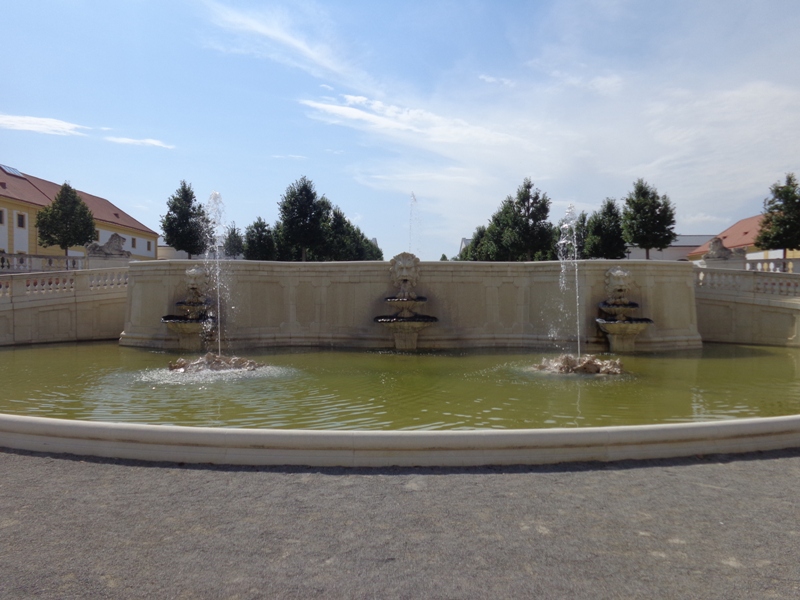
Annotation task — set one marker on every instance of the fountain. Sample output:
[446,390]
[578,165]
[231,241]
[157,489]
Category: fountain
[620,328]
[567,364]
[201,321]
[567,247]
[264,415]
[405,324]
[213,362]
[192,326]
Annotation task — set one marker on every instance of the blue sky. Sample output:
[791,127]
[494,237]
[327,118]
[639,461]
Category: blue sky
[455,102]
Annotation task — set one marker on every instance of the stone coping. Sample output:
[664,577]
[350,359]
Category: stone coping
[395,448]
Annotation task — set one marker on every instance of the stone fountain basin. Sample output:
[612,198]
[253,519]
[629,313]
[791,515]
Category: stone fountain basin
[185,325]
[394,448]
[405,306]
[626,327]
[406,324]
[618,310]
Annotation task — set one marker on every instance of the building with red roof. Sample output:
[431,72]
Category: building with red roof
[742,234]
[23,195]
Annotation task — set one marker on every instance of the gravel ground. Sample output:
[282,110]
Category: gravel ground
[708,527]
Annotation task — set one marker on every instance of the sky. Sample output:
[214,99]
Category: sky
[416,118]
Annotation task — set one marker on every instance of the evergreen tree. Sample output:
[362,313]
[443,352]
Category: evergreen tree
[303,217]
[604,237]
[648,219]
[259,241]
[233,244]
[780,222]
[66,222]
[518,230]
[186,225]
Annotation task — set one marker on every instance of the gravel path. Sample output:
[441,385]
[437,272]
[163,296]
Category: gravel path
[709,527]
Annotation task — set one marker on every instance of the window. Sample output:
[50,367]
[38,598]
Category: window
[96,235]
[133,242]
[21,220]
[2,217]
[149,246]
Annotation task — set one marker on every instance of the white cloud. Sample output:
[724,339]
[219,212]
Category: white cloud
[711,222]
[41,125]
[500,80]
[413,125]
[142,142]
[299,39]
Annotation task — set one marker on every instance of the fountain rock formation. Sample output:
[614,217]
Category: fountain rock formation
[588,363]
[192,326]
[214,362]
[406,323]
[620,328]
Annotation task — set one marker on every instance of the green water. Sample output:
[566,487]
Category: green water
[387,390]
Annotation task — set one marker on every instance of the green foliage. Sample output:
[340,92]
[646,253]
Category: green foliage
[443,258]
[66,222]
[604,238]
[517,231]
[345,241]
[309,228]
[233,243]
[303,218]
[259,241]
[186,226]
[648,219]
[780,223]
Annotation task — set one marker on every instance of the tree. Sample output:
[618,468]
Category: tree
[186,225]
[604,237]
[233,243]
[259,241]
[66,222]
[780,222]
[648,219]
[518,230]
[345,241]
[303,218]
[443,258]
[475,248]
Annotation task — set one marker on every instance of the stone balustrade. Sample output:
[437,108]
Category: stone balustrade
[774,265]
[27,263]
[748,307]
[747,282]
[62,306]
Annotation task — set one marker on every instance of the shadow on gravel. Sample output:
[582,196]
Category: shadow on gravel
[491,469]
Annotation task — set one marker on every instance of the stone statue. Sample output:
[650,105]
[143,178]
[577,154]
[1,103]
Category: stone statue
[404,269]
[113,247]
[618,282]
[717,250]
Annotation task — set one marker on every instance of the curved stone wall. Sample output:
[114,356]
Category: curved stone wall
[395,448]
[477,304]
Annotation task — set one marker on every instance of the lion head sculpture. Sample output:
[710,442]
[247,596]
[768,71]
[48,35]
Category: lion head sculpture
[404,269]
[618,283]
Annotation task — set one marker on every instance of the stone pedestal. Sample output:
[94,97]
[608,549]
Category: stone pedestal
[190,334]
[622,334]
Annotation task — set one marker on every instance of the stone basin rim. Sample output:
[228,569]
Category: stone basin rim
[366,448]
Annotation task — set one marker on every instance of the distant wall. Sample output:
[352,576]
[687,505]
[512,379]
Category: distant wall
[62,306]
[477,304]
[748,307]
